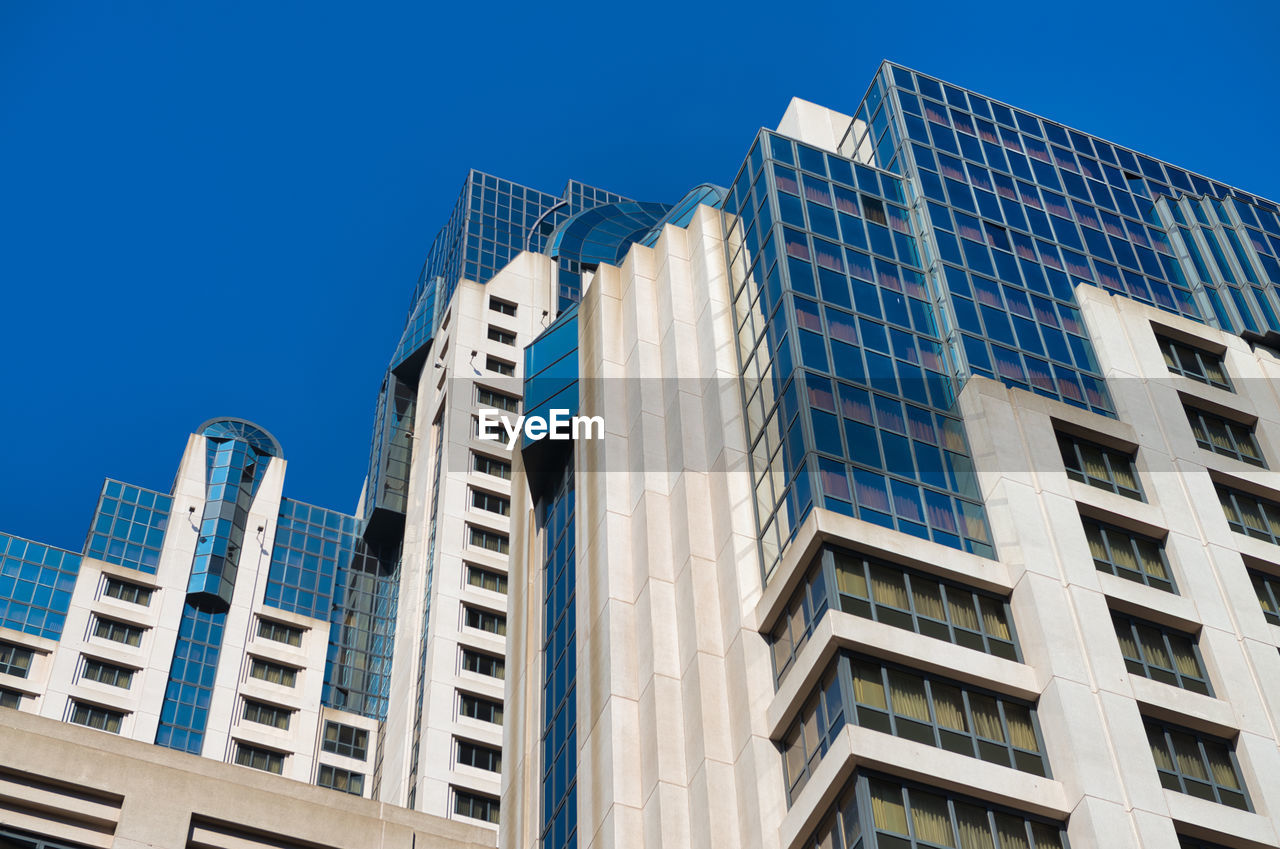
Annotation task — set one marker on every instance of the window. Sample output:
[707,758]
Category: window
[888,593]
[1224,436]
[485,664]
[475,806]
[480,757]
[273,673]
[265,714]
[1161,654]
[1196,764]
[279,632]
[1195,363]
[1255,517]
[101,718]
[494,623]
[497,400]
[498,366]
[501,306]
[482,500]
[1268,590]
[487,579]
[487,465]
[346,740]
[119,632]
[259,758]
[107,673]
[337,778]
[907,816]
[1096,465]
[497,334]
[1128,555]
[15,660]
[489,540]
[10,698]
[126,591]
[477,707]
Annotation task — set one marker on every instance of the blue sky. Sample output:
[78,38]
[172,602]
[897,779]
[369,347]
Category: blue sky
[221,209]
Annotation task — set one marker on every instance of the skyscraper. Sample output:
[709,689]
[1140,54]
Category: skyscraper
[932,507]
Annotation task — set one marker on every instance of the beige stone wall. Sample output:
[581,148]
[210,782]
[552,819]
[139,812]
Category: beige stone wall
[100,790]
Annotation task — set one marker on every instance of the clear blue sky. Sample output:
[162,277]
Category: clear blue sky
[221,208]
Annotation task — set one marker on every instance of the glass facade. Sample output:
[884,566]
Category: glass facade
[35,586]
[128,526]
[185,710]
[559,686]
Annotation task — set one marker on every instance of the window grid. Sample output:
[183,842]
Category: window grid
[265,714]
[1224,436]
[10,698]
[488,540]
[1099,466]
[117,632]
[1161,654]
[885,592]
[1249,515]
[503,337]
[337,778]
[279,632]
[478,707]
[128,592]
[484,664]
[1268,589]
[1128,555]
[486,397]
[273,673]
[484,620]
[500,306]
[475,806]
[487,465]
[502,367]
[15,660]
[1195,363]
[107,673]
[479,756]
[35,586]
[92,716]
[487,579]
[185,710]
[490,502]
[259,758]
[129,526]
[346,740]
[1196,764]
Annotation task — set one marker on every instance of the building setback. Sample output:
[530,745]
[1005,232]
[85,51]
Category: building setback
[933,508]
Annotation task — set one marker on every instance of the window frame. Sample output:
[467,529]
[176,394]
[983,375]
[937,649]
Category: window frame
[484,658]
[489,461]
[102,669]
[270,629]
[1135,539]
[480,705]
[1202,418]
[355,747]
[1075,445]
[105,628]
[500,366]
[95,714]
[1143,665]
[501,336]
[1268,511]
[1173,360]
[280,717]
[1268,584]
[500,584]
[247,754]
[470,753]
[487,497]
[10,653]
[492,806]
[1174,775]
[118,588]
[270,666]
[351,785]
[482,618]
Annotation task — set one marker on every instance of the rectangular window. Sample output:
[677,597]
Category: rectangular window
[485,620]
[346,740]
[10,698]
[15,660]
[107,673]
[487,579]
[480,757]
[1268,589]
[92,716]
[1246,514]
[259,758]
[265,714]
[337,778]
[498,366]
[1224,436]
[487,501]
[885,592]
[1195,363]
[505,337]
[497,400]
[488,540]
[475,806]
[119,632]
[273,673]
[485,664]
[127,591]
[279,632]
[501,306]
[1196,764]
[1161,654]
[1099,466]
[477,707]
[1128,555]
[486,465]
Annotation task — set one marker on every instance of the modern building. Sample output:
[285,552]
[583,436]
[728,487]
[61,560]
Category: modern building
[931,505]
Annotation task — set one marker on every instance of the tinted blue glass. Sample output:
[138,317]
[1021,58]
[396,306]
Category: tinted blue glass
[185,710]
[556,515]
[36,582]
[128,526]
